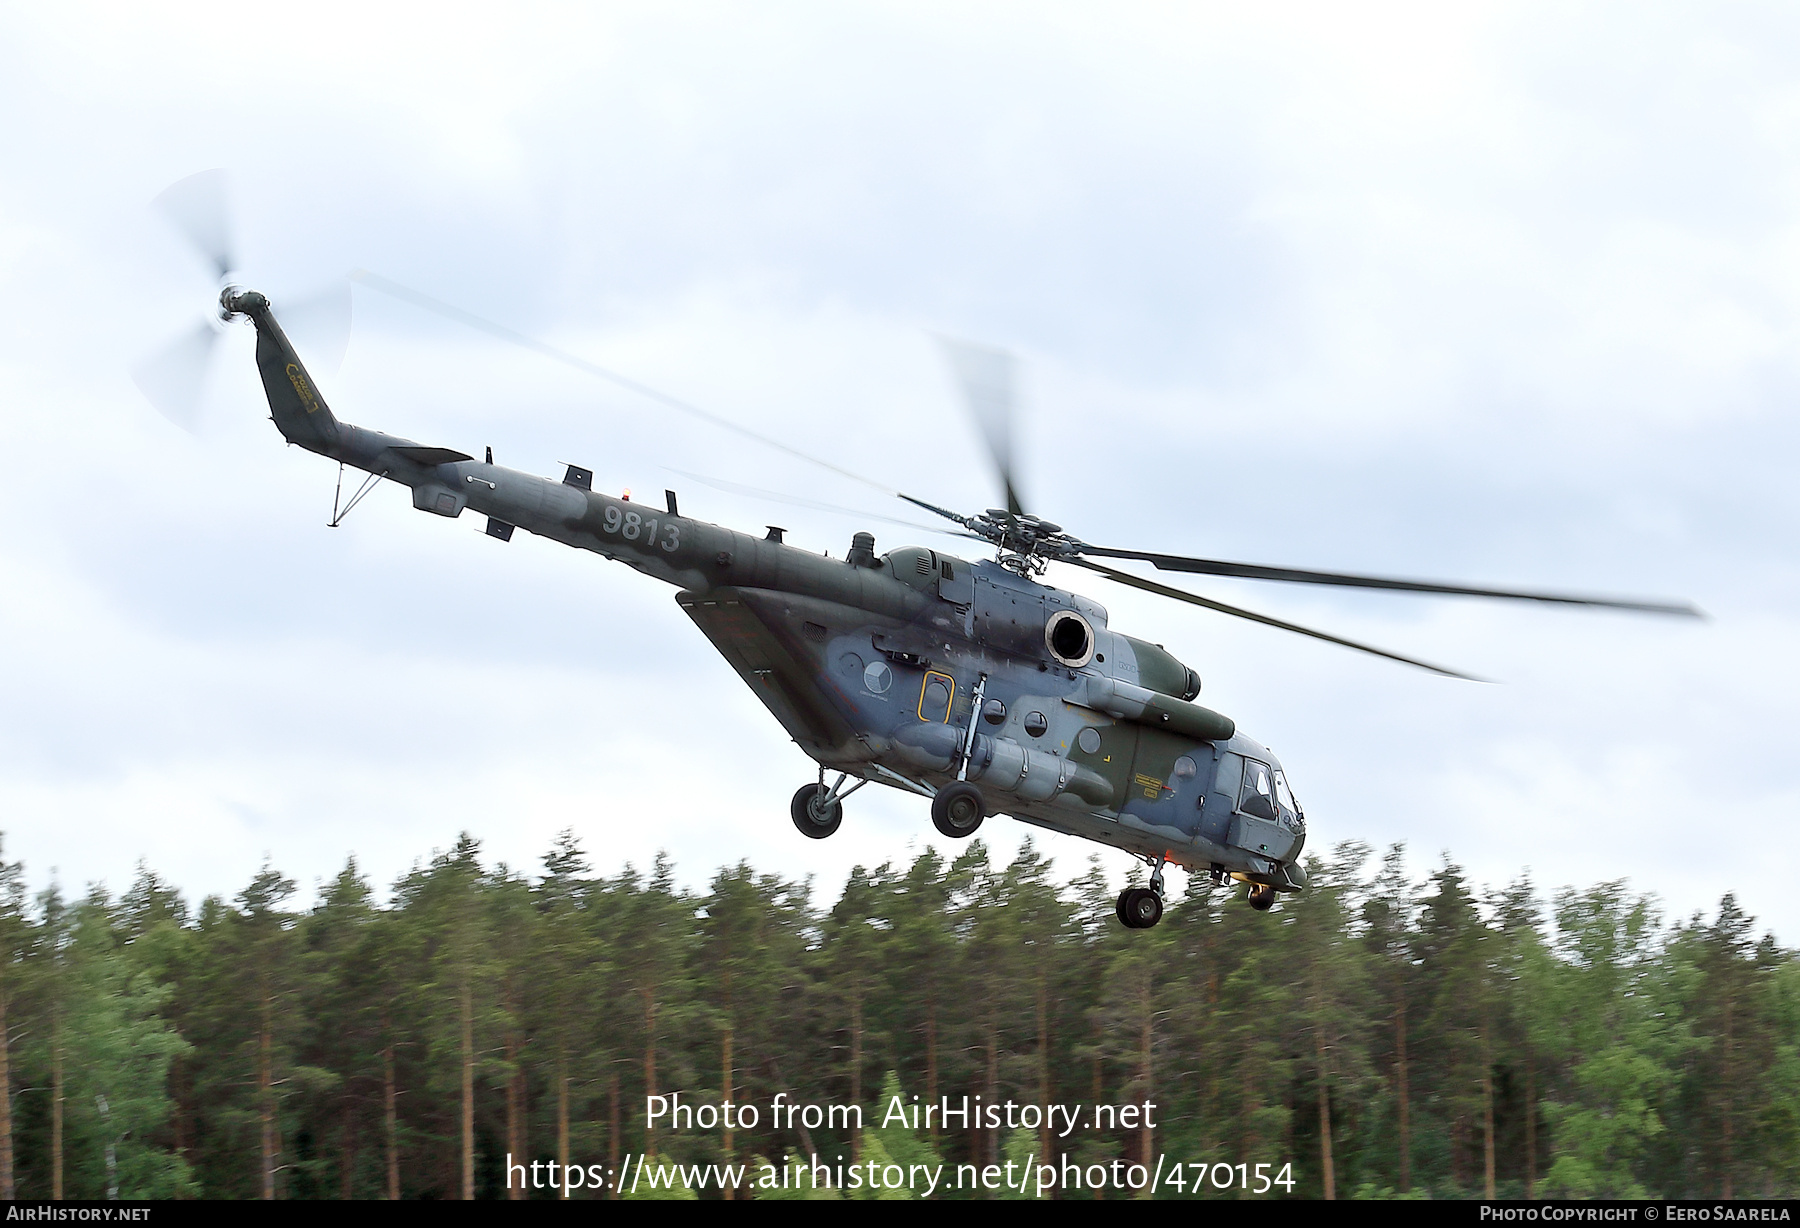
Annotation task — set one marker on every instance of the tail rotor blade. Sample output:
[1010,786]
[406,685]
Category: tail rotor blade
[196,207]
[174,378]
[986,377]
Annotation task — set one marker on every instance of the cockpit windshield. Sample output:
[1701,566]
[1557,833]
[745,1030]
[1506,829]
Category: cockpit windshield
[1284,794]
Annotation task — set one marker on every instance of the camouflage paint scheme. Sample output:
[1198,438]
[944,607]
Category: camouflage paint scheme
[872,663]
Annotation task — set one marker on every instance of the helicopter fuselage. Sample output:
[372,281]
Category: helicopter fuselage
[914,669]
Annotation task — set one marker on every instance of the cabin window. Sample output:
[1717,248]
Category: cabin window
[1231,774]
[1185,768]
[1036,724]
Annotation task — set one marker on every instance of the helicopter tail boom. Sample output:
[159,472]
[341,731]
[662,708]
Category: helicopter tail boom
[447,482]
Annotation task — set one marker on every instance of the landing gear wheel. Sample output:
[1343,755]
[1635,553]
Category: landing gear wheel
[815,820]
[957,810]
[1139,908]
[1261,898]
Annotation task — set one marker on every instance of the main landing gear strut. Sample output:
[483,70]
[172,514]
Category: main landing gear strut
[1139,908]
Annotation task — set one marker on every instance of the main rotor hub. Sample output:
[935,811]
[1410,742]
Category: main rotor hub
[1026,543]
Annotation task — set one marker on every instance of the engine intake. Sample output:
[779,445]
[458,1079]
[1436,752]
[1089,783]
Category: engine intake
[1070,638]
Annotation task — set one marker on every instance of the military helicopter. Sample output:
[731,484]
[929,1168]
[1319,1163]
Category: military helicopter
[972,684]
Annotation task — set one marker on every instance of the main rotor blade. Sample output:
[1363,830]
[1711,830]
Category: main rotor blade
[756,492]
[945,512]
[1151,586]
[174,378]
[319,326]
[1254,571]
[196,206]
[438,307]
[986,378]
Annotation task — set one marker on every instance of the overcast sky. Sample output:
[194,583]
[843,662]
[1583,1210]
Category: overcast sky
[1498,294]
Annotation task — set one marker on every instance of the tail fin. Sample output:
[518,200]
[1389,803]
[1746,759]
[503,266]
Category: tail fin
[299,411]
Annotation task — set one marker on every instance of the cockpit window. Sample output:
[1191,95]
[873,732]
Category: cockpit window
[1285,794]
[1257,780]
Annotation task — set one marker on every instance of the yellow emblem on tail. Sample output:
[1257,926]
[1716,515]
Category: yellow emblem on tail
[298,379]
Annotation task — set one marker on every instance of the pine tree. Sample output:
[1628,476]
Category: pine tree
[264,940]
[1389,938]
[15,942]
[1519,964]
[1330,992]
[654,925]
[752,948]
[1456,1017]
[345,1034]
[920,960]
[1729,1007]
[455,996]
[569,962]
[847,959]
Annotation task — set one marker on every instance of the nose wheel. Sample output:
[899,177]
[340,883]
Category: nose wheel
[1139,908]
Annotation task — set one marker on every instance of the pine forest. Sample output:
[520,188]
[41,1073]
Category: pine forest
[1382,1036]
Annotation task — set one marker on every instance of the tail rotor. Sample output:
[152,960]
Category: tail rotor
[174,378]
[196,206]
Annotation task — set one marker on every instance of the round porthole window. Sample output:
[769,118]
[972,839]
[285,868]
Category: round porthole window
[1088,740]
[878,677]
[1036,725]
[1184,768]
[993,712]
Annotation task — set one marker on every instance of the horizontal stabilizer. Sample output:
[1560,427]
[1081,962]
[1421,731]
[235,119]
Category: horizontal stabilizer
[431,456]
